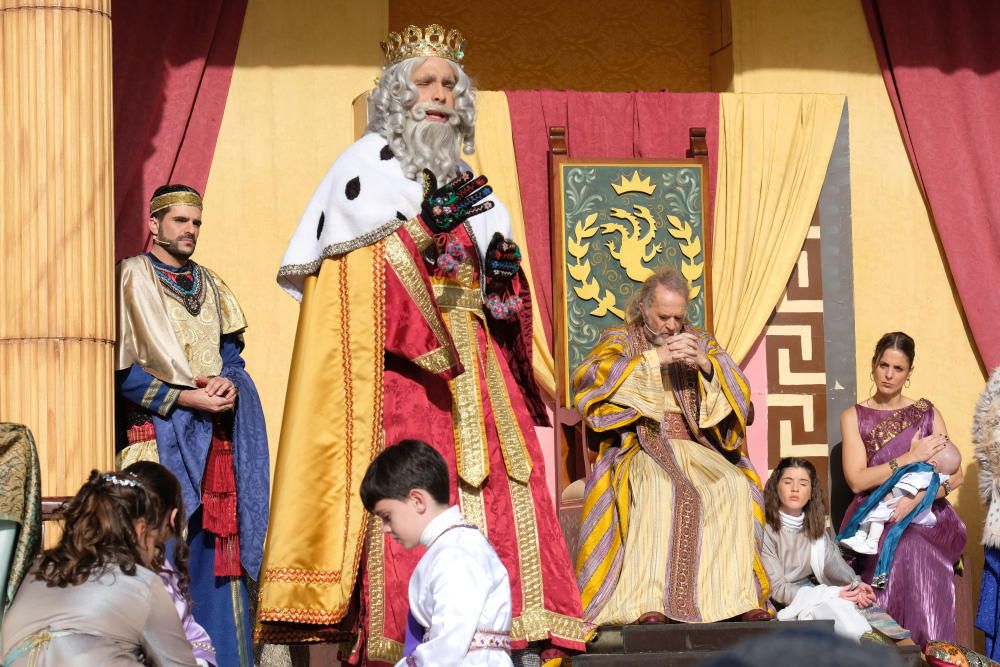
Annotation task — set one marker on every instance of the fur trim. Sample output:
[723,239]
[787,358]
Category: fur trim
[986,437]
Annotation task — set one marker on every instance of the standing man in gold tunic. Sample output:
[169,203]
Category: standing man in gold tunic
[187,401]
[673,515]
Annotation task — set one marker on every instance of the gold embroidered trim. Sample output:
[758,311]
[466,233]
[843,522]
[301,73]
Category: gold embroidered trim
[199,336]
[231,317]
[312,616]
[380,647]
[436,361]
[348,402]
[168,402]
[466,273]
[900,420]
[468,422]
[473,506]
[378,377]
[341,248]
[528,553]
[183,198]
[403,266]
[680,599]
[450,296]
[150,395]
[515,452]
[542,624]
[419,234]
[240,620]
[274,633]
[301,575]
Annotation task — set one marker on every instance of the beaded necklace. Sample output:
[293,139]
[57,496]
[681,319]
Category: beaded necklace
[186,284]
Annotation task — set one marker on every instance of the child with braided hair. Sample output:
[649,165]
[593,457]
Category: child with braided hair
[174,572]
[95,598]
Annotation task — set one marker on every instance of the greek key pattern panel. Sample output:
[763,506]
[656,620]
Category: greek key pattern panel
[796,367]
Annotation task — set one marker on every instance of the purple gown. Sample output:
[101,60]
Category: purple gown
[920,594]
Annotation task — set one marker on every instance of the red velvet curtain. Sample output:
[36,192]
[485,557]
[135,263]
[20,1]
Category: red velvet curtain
[614,125]
[941,67]
[172,64]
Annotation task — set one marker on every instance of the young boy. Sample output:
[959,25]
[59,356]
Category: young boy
[459,592]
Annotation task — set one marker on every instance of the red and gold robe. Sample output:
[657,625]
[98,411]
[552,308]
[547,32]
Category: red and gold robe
[391,347]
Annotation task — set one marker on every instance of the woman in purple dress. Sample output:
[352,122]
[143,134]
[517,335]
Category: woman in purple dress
[882,433]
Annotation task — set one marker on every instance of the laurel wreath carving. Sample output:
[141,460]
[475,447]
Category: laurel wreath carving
[589,289]
[690,248]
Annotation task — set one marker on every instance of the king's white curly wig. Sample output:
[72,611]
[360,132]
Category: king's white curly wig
[396,93]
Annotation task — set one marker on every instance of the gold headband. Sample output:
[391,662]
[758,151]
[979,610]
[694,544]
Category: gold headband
[183,198]
[414,42]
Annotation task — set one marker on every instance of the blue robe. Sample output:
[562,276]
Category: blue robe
[183,439]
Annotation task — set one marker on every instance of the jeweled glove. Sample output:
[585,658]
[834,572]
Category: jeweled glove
[447,207]
[503,260]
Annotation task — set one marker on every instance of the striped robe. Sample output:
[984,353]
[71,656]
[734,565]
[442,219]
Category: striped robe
[693,510]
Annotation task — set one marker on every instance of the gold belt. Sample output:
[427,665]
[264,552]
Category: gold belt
[450,296]
[675,426]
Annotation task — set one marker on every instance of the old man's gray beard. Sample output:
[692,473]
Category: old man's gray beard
[431,144]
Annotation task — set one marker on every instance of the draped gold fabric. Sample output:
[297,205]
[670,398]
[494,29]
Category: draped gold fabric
[773,155]
[149,326]
[314,542]
[494,157]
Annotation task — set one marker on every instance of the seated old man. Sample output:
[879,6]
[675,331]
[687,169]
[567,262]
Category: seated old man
[673,513]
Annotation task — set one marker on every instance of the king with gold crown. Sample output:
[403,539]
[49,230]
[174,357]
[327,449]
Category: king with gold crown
[414,324]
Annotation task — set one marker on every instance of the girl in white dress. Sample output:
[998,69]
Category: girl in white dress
[809,577]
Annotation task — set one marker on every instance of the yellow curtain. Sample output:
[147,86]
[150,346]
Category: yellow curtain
[773,155]
[494,157]
[288,116]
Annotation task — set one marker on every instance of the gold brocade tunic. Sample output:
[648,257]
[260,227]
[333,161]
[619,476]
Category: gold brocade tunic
[157,332]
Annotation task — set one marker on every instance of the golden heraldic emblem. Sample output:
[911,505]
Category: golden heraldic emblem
[633,248]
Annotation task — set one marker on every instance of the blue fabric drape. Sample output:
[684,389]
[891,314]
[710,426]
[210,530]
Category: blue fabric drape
[891,539]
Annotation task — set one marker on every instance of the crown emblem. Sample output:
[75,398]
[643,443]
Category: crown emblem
[634,184]
[414,42]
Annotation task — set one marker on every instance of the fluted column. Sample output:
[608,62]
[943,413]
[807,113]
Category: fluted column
[57,233]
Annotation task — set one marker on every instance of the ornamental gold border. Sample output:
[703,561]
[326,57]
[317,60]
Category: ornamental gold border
[436,361]
[379,647]
[301,575]
[512,446]
[310,616]
[468,422]
[421,237]
[542,624]
[403,266]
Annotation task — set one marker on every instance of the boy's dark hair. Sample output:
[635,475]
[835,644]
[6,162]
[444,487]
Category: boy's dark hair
[401,468]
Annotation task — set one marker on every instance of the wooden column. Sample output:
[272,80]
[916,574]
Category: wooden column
[57,233]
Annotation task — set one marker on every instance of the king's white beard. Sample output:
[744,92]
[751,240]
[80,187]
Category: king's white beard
[432,145]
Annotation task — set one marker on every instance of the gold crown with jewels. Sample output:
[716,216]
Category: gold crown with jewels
[414,42]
